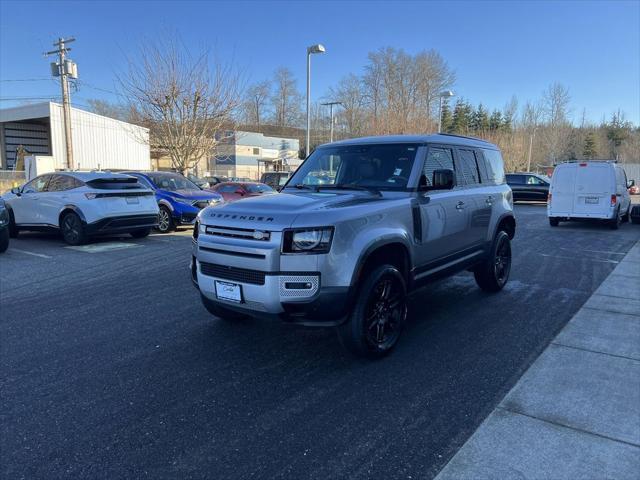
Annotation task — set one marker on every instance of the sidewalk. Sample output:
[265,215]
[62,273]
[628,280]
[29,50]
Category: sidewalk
[575,413]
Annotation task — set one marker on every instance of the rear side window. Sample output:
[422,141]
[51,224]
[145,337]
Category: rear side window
[60,183]
[494,166]
[438,158]
[467,173]
[114,183]
[515,179]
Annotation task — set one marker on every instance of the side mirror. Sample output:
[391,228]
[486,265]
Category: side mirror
[16,190]
[444,179]
[631,183]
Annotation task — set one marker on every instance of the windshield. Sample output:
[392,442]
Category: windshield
[172,182]
[257,188]
[381,166]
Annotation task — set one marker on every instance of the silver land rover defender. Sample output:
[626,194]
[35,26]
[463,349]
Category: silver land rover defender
[360,224]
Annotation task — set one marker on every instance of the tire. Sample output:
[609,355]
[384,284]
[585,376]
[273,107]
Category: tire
[492,275]
[614,224]
[378,316]
[73,230]
[165,220]
[4,239]
[141,233]
[14,231]
[635,220]
[627,216]
[219,311]
[554,221]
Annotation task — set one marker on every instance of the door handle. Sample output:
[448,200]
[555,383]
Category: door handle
[459,205]
[489,200]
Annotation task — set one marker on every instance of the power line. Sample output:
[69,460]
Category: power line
[42,79]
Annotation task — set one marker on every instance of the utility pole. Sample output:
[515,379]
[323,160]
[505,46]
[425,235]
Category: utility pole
[64,68]
[331,104]
[531,137]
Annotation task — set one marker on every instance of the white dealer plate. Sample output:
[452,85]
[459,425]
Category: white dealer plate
[133,200]
[228,291]
[591,200]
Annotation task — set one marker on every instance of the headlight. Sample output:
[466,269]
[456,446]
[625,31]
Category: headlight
[186,201]
[215,201]
[307,240]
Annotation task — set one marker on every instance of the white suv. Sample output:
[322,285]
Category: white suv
[82,204]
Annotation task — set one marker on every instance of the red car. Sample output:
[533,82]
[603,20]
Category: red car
[232,191]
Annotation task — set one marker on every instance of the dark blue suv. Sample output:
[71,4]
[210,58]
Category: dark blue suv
[179,198]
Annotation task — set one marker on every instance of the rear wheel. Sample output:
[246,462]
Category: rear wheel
[615,222]
[554,221]
[219,311]
[140,233]
[379,314]
[165,220]
[493,273]
[73,230]
[626,216]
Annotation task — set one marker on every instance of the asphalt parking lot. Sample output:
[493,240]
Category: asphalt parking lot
[112,368]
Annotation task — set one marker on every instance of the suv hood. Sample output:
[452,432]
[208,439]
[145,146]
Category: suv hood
[279,211]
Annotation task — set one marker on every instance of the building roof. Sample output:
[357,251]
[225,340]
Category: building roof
[88,176]
[434,138]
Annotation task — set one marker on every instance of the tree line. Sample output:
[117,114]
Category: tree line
[186,100]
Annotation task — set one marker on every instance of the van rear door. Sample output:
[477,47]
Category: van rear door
[593,189]
[562,191]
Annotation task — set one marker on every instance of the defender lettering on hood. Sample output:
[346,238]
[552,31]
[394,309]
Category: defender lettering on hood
[231,216]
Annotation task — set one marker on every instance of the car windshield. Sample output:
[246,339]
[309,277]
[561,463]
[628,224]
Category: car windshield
[379,166]
[258,188]
[172,182]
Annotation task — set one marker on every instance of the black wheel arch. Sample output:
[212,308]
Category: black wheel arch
[71,208]
[390,251]
[506,222]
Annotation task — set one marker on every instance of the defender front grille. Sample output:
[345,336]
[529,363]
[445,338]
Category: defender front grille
[233,232]
[235,274]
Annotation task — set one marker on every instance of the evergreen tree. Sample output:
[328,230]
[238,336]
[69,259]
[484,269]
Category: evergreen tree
[480,121]
[618,131]
[461,117]
[590,147]
[446,118]
[495,122]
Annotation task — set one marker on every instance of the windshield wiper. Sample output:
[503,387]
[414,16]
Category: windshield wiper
[300,186]
[352,186]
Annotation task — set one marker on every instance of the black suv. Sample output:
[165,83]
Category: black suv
[527,186]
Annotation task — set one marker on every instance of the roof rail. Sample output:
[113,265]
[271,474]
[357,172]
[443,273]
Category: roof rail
[464,136]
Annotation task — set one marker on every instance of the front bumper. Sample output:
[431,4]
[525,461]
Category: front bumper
[123,223]
[292,297]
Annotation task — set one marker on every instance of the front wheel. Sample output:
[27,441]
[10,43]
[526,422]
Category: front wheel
[493,273]
[165,220]
[4,239]
[379,314]
[73,230]
[13,228]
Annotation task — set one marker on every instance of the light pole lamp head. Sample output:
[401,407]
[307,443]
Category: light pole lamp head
[446,94]
[318,48]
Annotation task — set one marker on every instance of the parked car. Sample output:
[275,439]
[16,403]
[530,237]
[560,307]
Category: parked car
[214,180]
[81,205]
[400,211]
[179,199]
[633,188]
[527,186]
[275,180]
[589,190]
[232,191]
[200,182]
[4,227]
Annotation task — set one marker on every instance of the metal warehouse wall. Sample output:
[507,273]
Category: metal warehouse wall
[99,142]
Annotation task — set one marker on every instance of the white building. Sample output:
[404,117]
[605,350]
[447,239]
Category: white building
[98,142]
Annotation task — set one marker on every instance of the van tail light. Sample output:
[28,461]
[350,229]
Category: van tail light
[614,200]
[583,164]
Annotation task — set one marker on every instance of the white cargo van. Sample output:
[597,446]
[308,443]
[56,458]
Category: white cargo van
[590,189]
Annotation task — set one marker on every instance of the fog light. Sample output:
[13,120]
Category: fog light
[298,285]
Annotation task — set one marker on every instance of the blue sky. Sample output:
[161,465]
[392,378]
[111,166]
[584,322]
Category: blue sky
[497,49]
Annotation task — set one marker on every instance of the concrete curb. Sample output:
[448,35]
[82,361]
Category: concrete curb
[575,413]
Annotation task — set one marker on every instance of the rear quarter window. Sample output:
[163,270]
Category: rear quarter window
[494,166]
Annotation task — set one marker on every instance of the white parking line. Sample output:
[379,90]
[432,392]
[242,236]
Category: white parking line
[103,247]
[595,251]
[579,258]
[41,255]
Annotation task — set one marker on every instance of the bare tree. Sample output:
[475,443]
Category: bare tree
[286,99]
[185,100]
[256,102]
[555,105]
[352,115]
[108,109]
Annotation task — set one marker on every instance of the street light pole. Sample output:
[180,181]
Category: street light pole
[443,95]
[331,104]
[310,50]
[530,148]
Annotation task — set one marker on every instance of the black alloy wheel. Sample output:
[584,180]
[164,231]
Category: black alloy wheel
[73,230]
[492,274]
